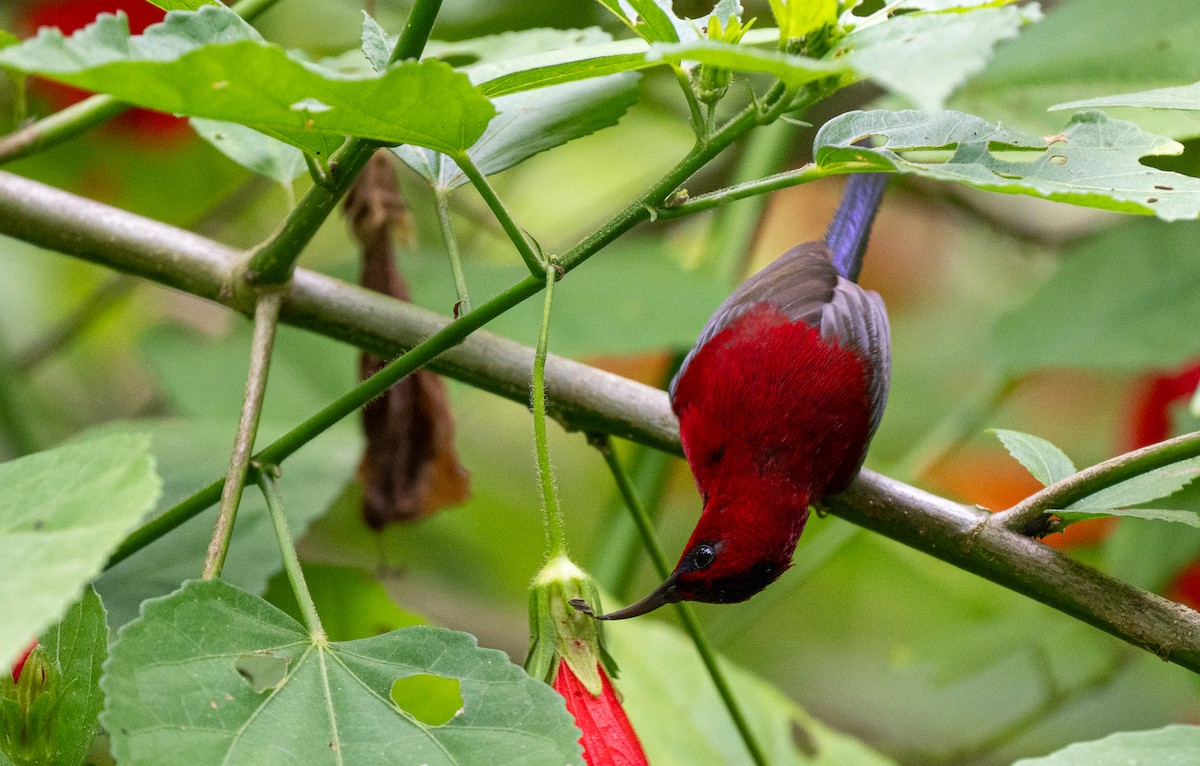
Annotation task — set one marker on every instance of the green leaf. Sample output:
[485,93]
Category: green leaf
[1087,49]
[1093,162]
[73,651]
[8,38]
[532,121]
[1046,462]
[252,150]
[658,20]
[351,603]
[1076,319]
[1185,97]
[212,64]
[794,70]
[1191,518]
[673,706]
[924,57]
[176,693]
[62,513]
[1169,746]
[375,43]
[1151,485]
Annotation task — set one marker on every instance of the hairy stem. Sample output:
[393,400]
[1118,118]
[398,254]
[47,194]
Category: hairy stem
[1091,480]
[87,114]
[556,537]
[702,202]
[272,262]
[287,549]
[442,202]
[603,444]
[532,260]
[266,320]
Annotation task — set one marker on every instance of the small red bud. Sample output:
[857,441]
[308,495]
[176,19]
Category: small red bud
[608,738]
[19,665]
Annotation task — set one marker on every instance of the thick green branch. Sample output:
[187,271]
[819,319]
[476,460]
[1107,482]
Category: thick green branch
[272,262]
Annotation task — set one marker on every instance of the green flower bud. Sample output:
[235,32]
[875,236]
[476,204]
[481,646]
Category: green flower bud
[27,707]
[559,630]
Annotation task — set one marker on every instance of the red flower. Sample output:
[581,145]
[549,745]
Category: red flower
[1151,412]
[72,15]
[19,665]
[608,738]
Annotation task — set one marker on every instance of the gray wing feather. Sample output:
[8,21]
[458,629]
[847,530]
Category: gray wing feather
[857,319]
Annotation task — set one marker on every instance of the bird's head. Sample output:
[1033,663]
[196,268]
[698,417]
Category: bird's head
[729,558]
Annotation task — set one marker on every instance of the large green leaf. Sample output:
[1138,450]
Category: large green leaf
[210,63]
[214,675]
[1169,746]
[1124,300]
[924,57]
[1046,462]
[531,121]
[1087,49]
[72,652]
[62,513]
[1093,162]
[680,720]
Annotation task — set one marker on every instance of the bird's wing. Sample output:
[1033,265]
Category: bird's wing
[857,319]
[801,282]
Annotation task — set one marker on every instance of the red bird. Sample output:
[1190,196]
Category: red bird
[777,403]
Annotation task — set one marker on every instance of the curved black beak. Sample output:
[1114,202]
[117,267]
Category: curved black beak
[663,594]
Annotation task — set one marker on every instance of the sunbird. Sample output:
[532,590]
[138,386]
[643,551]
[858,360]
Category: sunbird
[777,403]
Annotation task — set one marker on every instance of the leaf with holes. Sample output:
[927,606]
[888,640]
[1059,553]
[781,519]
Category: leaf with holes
[212,64]
[1093,162]
[212,675]
[62,513]
[1046,462]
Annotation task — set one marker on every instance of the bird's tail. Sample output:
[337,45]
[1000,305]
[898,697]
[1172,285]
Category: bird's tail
[851,226]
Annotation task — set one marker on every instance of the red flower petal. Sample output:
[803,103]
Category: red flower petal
[19,665]
[608,737]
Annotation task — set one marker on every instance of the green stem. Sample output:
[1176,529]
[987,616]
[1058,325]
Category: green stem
[702,127]
[731,233]
[76,323]
[272,262]
[287,548]
[702,202]
[556,537]
[451,335]
[1091,480]
[532,260]
[442,201]
[87,114]
[603,443]
[266,320]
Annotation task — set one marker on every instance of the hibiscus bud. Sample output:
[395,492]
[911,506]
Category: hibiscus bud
[27,707]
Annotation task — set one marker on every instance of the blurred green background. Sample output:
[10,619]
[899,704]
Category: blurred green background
[1006,312]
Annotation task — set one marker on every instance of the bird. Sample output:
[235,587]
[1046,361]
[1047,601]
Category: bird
[777,404]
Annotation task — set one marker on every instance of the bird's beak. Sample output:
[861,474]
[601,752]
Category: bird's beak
[663,594]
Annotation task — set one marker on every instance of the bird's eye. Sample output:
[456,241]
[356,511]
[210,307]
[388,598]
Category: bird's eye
[703,555]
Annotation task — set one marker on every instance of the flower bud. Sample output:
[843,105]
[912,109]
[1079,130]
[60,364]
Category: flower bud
[711,81]
[27,707]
